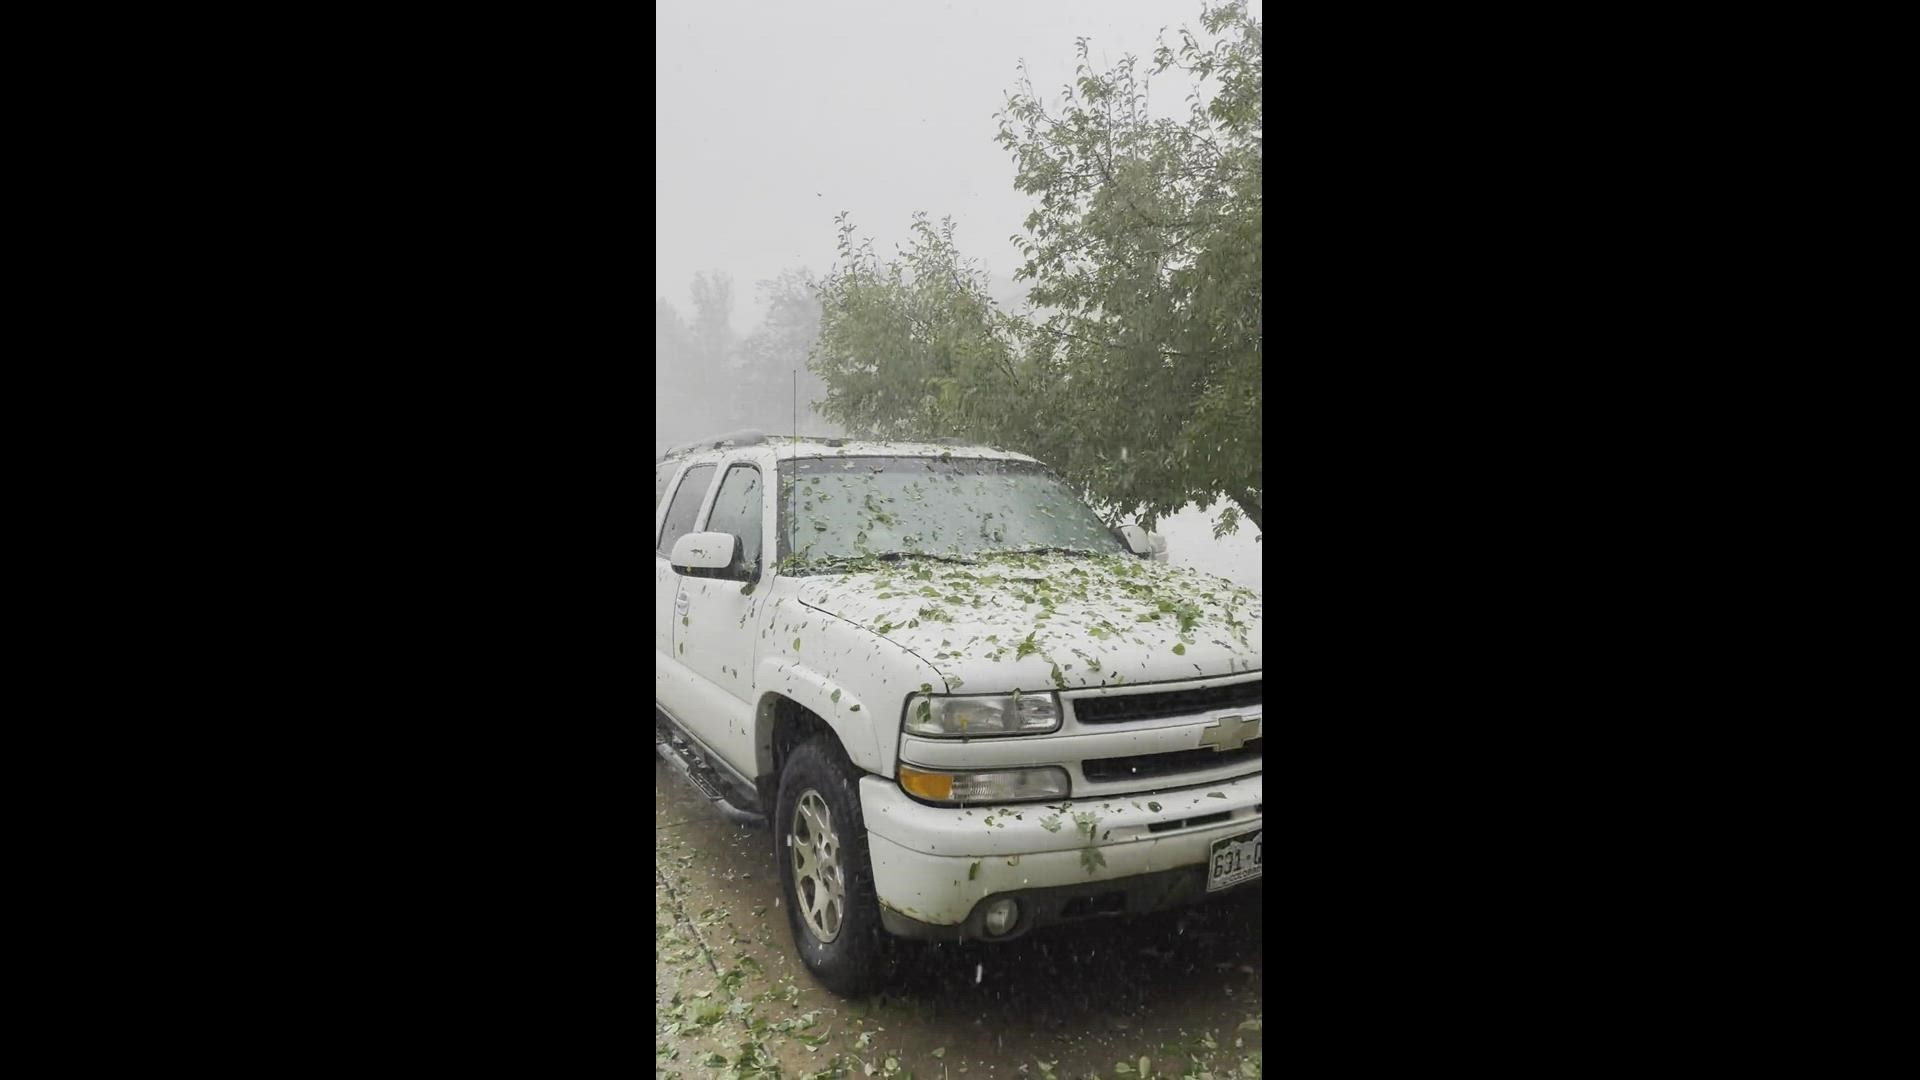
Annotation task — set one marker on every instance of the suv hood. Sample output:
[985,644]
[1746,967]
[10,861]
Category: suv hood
[1062,621]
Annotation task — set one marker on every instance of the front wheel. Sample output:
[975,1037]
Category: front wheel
[826,878]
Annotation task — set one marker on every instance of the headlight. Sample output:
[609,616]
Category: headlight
[984,786]
[998,714]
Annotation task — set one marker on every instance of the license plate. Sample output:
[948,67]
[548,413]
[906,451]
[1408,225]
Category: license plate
[1233,860]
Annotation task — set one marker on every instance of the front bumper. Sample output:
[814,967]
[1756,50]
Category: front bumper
[934,867]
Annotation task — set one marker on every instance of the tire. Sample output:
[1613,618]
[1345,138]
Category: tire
[826,877]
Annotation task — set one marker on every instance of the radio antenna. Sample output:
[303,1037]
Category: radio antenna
[793,516]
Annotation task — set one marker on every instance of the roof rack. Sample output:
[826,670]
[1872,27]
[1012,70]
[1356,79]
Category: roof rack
[824,440]
[754,437]
[743,437]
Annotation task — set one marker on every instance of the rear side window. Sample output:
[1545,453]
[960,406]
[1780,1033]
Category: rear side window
[736,510]
[662,475]
[686,503]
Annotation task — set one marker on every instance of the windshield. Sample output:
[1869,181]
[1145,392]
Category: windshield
[953,507]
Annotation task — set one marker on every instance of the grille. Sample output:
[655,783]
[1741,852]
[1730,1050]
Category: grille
[1190,823]
[1122,707]
[1142,766]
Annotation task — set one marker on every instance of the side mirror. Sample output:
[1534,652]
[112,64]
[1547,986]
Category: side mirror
[1139,541]
[708,555]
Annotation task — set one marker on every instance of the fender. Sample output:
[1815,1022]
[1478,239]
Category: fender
[813,690]
[865,718]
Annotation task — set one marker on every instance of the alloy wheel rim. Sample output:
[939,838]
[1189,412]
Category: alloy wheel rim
[819,883]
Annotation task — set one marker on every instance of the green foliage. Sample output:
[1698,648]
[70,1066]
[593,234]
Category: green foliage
[1145,251]
[913,347]
[1138,376]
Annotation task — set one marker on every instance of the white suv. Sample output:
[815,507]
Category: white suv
[968,707]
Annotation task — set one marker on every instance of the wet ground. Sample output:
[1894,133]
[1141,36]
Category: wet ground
[1179,989]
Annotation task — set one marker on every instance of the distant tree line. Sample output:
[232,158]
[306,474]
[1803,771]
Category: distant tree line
[709,380]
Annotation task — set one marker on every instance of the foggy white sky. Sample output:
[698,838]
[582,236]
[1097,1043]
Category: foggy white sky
[773,117]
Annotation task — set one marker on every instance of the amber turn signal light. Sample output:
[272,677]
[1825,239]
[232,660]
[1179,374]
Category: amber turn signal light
[926,785]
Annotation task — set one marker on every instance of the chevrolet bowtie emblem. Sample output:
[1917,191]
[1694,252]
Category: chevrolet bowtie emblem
[1231,732]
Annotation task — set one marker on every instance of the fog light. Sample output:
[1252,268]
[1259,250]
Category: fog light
[1001,915]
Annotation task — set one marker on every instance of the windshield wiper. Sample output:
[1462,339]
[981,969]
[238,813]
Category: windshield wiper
[887,556]
[1049,551]
[895,556]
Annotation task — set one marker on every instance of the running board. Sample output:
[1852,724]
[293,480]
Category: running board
[686,761]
